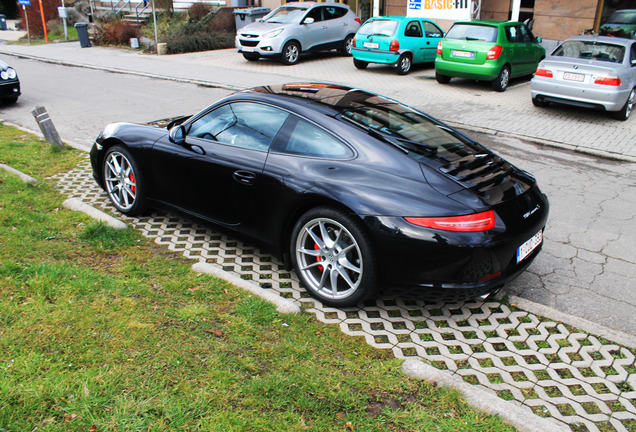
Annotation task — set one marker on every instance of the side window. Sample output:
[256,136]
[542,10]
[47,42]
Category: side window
[309,140]
[333,12]
[526,36]
[315,13]
[413,29]
[512,33]
[241,124]
[432,31]
[633,56]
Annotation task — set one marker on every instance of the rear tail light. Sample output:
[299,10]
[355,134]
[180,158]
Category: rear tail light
[395,45]
[439,48]
[353,42]
[358,20]
[610,81]
[469,223]
[544,73]
[494,52]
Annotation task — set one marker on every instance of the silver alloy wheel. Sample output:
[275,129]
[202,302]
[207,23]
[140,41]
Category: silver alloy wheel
[329,258]
[504,78]
[404,65]
[291,53]
[120,180]
[630,103]
[348,45]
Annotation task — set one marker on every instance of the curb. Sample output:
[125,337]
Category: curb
[282,304]
[519,416]
[25,178]
[77,205]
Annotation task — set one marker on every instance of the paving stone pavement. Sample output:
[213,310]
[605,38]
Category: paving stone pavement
[552,369]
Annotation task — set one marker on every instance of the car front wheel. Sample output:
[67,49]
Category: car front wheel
[625,112]
[347,44]
[291,53]
[333,257]
[501,83]
[123,181]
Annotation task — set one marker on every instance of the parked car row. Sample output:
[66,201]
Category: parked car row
[588,71]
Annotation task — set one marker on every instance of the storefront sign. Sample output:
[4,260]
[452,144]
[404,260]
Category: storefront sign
[440,9]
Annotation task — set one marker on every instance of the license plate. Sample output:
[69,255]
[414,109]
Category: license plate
[370,45]
[465,54]
[247,49]
[573,76]
[530,245]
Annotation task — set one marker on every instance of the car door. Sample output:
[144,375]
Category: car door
[337,26]
[217,171]
[312,34]
[414,41]
[433,35]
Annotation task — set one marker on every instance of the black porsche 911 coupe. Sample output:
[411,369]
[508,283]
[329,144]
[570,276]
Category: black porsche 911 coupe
[354,190]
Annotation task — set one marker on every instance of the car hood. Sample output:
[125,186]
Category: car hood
[260,27]
[169,122]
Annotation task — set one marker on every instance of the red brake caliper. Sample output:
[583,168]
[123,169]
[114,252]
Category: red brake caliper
[133,188]
[318,258]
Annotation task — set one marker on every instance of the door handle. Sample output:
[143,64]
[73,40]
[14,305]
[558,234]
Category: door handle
[244,177]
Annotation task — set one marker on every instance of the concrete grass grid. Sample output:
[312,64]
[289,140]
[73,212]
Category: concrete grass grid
[552,369]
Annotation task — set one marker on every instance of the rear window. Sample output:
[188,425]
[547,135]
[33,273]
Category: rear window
[473,32]
[378,27]
[591,50]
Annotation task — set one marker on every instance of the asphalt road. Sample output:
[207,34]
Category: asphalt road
[588,263]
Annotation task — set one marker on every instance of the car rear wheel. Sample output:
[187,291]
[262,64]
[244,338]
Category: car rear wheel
[625,112]
[360,64]
[251,56]
[347,44]
[333,257]
[123,181]
[442,79]
[291,53]
[404,64]
[502,81]
[541,103]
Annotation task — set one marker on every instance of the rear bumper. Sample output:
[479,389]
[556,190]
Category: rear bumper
[375,56]
[487,71]
[601,97]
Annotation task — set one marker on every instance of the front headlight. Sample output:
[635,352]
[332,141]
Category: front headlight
[273,33]
[8,74]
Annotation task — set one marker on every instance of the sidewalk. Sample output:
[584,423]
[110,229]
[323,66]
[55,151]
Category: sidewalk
[463,103]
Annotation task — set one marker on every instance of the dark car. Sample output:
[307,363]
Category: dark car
[9,83]
[622,23]
[354,190]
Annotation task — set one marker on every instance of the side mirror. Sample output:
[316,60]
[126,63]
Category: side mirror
[177,134]
[539,40]
[308,20]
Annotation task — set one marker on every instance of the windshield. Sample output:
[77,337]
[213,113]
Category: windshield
[591,50]
[623,17]
[472,32]
[411,131]
[285,15]
[378,27]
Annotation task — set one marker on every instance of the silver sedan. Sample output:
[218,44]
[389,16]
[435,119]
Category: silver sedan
[589,71]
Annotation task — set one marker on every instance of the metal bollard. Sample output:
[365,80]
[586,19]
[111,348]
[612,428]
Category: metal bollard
[47,127]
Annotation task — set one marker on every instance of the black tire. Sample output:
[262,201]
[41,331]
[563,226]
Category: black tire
[404,63]
[251,56]
[625,112]
[360,64]
[123,181]
[442,79]
[540,102]
[347,44]
[346,258]
[503,79]
[291,53]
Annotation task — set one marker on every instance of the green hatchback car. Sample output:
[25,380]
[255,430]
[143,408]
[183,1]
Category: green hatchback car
[396,40]
[494,51]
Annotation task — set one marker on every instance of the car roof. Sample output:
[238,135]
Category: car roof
[399,18]
[310,4]
[496,23]
[605,39]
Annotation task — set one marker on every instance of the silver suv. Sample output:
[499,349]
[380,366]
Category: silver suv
[294,28]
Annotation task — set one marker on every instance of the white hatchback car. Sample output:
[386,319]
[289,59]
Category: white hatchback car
[295,28]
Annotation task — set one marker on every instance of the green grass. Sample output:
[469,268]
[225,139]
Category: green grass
[104,330]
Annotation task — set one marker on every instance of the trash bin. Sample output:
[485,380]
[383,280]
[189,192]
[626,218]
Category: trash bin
[3,22]
[82,33]
[242,17]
